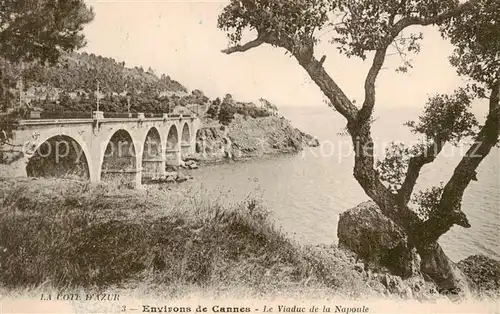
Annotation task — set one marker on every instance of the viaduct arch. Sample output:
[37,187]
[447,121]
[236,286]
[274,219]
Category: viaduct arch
[57,156]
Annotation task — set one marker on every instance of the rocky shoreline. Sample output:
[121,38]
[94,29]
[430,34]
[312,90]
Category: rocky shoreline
[483,273]
[382,252]
[248,137]
[375,247]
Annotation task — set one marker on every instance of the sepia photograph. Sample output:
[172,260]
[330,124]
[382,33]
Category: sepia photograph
[250,156]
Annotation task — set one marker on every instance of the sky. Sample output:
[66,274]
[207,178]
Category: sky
[181,39]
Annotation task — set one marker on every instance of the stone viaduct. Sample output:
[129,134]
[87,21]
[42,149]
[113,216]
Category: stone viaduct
[131,149]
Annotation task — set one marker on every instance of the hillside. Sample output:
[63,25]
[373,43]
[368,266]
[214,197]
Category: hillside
[80,71]
[75,82]
[71,88]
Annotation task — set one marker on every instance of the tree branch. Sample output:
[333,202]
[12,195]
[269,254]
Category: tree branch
[378,61]
[449,212]
[322,60]
[369,179]
[400,52]
[359,128]
[327,85]
[415,165]
[249,45]
[304,53]
[408,21]
[365,113]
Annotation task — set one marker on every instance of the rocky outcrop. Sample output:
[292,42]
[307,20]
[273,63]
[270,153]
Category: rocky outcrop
[190,164]
[212,143]
[384,245]
[408,288]
[251,137]
[377,239]
[172,176]
[380,280]
[267,135]
[483,272]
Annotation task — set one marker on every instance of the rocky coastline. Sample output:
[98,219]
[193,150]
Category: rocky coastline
[247,137]
[382,252]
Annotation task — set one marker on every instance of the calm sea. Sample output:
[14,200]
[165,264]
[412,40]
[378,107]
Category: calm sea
[307,192]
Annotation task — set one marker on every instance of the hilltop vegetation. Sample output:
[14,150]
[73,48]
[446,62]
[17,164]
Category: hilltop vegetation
[80,71]
[71,85]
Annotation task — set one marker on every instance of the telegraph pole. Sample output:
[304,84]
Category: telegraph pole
[4,87]
[97,95]
[128,105]
[20,88]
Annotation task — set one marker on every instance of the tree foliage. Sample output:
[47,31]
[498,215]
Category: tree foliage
[297,19]
[73,81]
[41,29]
[446,118]
[213,110]
[476,38]
[38,30]
[427,201]
[224,110]
[356,26]
[369,25]
[226,113]
[393,167]
[268,106]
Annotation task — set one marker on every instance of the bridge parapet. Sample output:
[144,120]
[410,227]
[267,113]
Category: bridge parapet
[171,117]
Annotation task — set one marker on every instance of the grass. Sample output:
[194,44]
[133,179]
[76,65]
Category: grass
[65,234]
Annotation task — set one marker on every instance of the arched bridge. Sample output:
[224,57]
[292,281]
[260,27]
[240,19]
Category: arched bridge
[98,148]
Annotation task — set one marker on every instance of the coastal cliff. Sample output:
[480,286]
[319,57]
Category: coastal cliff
[247,137]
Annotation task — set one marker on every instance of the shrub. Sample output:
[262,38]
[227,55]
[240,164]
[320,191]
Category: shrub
[226,114]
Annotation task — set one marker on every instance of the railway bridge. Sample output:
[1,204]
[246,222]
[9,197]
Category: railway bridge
[104,149]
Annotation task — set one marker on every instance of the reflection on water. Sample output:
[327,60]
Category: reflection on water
[307,192]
